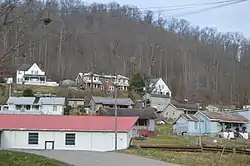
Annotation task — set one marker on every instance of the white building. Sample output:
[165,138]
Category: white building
[35,105]
[32,75]
[60,132]
[158,86]
[102,81]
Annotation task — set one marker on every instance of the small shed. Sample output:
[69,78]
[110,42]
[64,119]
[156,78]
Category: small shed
[60,132]
[144,125]
[75,102]
[187,124]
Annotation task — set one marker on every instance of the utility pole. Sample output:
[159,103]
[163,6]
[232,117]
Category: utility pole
[10,90]
[115,88]
[198,105]
[92,71]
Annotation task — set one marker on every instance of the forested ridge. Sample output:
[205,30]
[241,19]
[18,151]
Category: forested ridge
[200,64]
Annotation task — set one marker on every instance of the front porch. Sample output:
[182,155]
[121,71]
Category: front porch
[34,79]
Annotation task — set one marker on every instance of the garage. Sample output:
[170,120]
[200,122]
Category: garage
[59,132]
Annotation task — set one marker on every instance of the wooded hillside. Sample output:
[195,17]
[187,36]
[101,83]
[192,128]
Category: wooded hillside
[199,64]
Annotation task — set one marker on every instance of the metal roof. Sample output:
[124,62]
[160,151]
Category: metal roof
[111,101]
[20,100]
[36,100]
[224,117]
[146,113]
[25,67]
[64,122]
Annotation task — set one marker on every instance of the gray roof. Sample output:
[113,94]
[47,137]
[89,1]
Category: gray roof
[24,67]
[188,106]
[111,101]
[154,81]
[36,100]
[146,113]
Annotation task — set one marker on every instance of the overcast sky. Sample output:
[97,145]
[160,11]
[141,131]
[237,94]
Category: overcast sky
[234,18]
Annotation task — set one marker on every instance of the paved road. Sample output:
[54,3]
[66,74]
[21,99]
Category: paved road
[84,158]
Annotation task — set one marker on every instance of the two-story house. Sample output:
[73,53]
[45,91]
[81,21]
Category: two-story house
[33,75]
[108,102]
[158,86]
[102,81]
[35,105]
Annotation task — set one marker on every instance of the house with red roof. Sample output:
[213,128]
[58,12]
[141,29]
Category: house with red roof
[60,132]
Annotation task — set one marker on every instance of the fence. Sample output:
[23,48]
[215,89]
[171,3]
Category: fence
[194,148]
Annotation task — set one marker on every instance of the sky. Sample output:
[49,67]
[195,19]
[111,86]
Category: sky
[231,18]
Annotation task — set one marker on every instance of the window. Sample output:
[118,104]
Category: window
[54,107]
[27,107]
[70,138]
[196,125]
[33,138]
[35,107]
[18,107]
[162,86]
[36,72]
[32,71]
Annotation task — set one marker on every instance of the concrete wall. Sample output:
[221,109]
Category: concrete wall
[91,141]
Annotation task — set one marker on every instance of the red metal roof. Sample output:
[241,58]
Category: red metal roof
[63,122]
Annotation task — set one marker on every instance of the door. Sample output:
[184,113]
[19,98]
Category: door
[49,145]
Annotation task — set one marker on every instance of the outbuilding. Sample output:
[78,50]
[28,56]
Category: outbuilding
[60,132]
[145,125]
[186,124]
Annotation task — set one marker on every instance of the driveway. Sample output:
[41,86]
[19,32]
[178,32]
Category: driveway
[84,158]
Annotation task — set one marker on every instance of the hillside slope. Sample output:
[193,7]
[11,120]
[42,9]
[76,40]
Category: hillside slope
[198,64]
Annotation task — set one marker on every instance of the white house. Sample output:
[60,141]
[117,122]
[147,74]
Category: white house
[33,75]
[158,86]
[60,132]
[35,105]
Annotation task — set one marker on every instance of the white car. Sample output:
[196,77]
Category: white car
[160,122]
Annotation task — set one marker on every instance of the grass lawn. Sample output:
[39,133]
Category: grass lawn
[192,159]
[165,137]
[9,158]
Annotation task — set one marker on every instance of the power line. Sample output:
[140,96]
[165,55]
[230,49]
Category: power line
[188,5]
[209,8]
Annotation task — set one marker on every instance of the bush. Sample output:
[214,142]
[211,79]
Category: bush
[28,93]
[2,80]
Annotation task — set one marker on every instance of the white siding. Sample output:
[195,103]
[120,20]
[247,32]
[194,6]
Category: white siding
[91,141]
[161,88]
[34,69]
[43,109]
[48,109]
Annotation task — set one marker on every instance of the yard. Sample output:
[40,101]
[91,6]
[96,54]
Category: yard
[9,158]
[165,137]
[17,90]
[192,159]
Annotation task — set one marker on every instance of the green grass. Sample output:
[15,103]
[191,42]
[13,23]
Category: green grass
[10,158]
[192,159]
[165,137]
